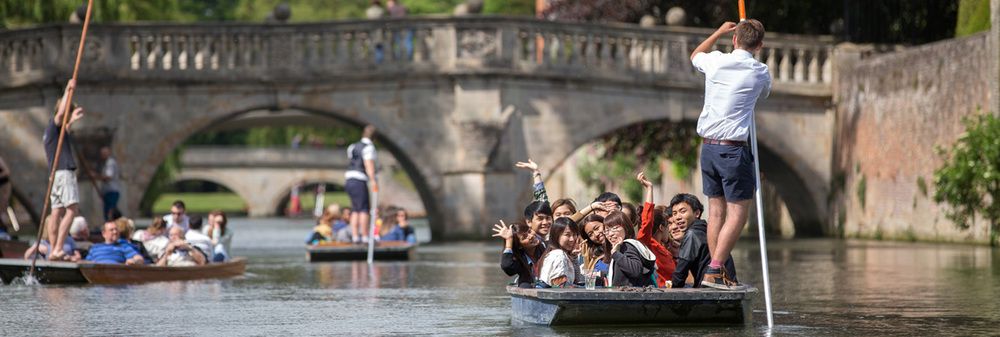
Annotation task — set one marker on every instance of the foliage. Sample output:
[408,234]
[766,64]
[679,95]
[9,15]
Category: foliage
[509,7]
[623,153]
[973,17]
[862,191]
[969,180]
[279,136]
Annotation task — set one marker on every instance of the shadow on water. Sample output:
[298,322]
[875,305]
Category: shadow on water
[820,287]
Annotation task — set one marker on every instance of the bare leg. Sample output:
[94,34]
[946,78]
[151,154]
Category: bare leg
[716,219]
[363,218]
[354,225]
[737,212]
[52,226]
[64,224]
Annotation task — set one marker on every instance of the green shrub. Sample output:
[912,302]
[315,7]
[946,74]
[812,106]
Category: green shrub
[969,180]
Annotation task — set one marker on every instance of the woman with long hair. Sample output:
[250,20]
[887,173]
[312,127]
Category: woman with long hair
[632,264]
[222,236]
[596,250]
[558,268]
[521,249]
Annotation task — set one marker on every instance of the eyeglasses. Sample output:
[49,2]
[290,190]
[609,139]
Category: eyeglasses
[614,230]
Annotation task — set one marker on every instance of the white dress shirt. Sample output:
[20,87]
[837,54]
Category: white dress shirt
[733,82]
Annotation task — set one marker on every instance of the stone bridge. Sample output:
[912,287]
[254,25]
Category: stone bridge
[475,95]
[264,177]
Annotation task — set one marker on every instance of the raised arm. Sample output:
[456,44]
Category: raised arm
[537,185]
[706,45]
[645,234]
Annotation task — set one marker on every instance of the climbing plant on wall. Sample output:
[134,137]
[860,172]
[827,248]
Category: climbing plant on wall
[969,181]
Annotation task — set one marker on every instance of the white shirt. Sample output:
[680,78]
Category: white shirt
[367,153]
[169,219]
[733,82]
[201,241]
[557,264]
[111,171]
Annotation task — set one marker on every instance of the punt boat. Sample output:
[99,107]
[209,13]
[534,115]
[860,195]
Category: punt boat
[56,272]
[339,251]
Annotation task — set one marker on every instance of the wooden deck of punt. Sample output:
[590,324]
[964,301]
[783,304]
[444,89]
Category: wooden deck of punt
[577,306]
[66,272]
[335,251]
[10,249]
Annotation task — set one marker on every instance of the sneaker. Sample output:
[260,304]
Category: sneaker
[718,278]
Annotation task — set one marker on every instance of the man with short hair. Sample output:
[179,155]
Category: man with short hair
[114,250]
[693,255]
[177,216]
[360,174]
[65,195]
[195,237]
[733,83]
[180,253]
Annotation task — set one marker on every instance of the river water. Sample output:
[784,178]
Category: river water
[820,287]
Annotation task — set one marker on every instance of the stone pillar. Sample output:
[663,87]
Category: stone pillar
[994,50]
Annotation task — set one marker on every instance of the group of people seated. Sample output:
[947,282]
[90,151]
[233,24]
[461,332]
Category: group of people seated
[616,244]
[177,239]
[392,225]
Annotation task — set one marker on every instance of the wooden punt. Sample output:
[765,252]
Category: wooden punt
[336,251]
[655,306]
[45,271]
[67,272]
[11,249]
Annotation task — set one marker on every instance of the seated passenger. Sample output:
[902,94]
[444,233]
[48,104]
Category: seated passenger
[596,249]
[692,256]
[652,232]
[126,229]
[154,238]
[538,215]
[43,247]
[558,268]
[180,253]
[113,250]
[397,226]
[80,233]
[194,236]
[221,235]
[521,249]
[341,230]
[632,264]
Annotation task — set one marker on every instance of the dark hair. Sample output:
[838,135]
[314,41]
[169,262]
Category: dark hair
[179,204]
[688,199]
[194,222]
[750,34]
[633,216]
[564,202]
[224,222]
[558,227]
[659,219]
[617,218]
[537,207]
[606,196]
[598,248]
[114,214]
[519,227]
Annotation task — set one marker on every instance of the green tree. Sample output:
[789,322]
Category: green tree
[973,17]
[969,181]
[509,7]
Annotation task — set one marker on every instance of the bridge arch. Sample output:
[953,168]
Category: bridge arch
[413,165]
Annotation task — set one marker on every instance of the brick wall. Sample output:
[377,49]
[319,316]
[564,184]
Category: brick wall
[892,111]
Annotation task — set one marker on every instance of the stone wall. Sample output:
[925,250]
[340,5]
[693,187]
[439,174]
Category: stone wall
[892,111]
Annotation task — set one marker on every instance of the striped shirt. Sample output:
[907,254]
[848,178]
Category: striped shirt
[116,253]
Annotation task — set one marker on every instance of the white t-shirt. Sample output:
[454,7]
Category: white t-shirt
[557,264]
[733,82]
[201,241]
[169,219]
[111,171]
[367,153]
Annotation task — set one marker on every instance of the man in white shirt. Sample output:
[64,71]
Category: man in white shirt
[361,172]
[733,82]
[196,239]
[177,216]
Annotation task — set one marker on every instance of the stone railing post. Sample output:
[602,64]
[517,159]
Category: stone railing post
[443,47]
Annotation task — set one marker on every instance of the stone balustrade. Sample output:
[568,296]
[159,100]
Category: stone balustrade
[322,52]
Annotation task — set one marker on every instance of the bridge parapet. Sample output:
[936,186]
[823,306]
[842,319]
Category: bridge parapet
[271,157]
[412,47]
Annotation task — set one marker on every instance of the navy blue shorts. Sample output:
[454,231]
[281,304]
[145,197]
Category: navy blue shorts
[357,190]
[727,170]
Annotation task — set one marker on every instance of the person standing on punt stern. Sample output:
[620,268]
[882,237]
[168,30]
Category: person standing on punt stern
[65,193]
[733,83]
[360,174]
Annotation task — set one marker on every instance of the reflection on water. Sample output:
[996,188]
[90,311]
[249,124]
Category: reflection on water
[820,287]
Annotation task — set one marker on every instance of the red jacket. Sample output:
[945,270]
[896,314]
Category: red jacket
[664,261]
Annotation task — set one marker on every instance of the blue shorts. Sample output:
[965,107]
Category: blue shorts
[357,190]
[727,170]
